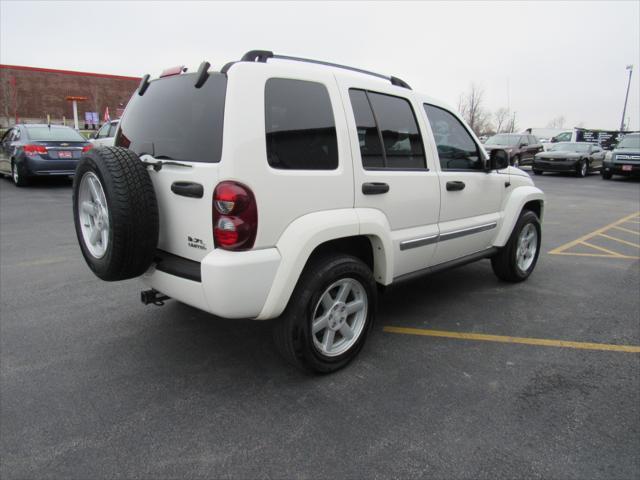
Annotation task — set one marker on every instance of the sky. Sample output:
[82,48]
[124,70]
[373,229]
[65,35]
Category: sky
[542,59]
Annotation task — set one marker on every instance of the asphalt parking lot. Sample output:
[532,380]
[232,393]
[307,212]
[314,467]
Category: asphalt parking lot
[96,385]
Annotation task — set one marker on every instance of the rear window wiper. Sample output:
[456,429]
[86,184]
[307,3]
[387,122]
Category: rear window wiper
[162,160]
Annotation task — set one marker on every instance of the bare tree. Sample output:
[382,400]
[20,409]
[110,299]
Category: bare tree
[471,108]
[512,124]
[501,117]
[557,122]
[10,97]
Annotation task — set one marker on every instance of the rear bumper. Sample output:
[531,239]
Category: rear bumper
[229,284]
[37,166]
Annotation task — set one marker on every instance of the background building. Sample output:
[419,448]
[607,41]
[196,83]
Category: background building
[30,94]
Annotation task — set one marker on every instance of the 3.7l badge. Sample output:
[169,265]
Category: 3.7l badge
[196,243]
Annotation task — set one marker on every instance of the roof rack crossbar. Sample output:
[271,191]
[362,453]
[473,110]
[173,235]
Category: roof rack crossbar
[263,55]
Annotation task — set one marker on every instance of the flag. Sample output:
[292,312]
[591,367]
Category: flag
[106,118]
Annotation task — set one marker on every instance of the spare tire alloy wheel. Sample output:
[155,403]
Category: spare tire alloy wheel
[115,213]
[94,214]
[339,317]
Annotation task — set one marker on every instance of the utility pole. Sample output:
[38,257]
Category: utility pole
[624,110]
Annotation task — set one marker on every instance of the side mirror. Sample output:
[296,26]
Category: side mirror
[524,145]
[498,159]
[553,140]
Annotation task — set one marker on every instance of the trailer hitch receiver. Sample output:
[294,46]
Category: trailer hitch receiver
[153,296]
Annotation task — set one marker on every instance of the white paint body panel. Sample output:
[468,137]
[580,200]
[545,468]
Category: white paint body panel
[300,210]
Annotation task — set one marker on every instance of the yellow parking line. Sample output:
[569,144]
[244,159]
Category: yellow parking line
[506,339]
[631,244]
[577,241]
[601,255]
[622,229]
[602,249]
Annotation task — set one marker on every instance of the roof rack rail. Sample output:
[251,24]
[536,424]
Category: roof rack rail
[263,55]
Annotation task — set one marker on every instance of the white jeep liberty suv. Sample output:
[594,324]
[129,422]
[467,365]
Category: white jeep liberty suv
[290,188]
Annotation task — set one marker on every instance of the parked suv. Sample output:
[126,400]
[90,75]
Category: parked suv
[624,159]
[521,148]
[294,189]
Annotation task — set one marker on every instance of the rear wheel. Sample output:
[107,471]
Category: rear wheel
[115,213]
[19,178]
[329,314]
[517,259]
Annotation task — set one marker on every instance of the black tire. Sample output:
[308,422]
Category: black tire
[292,331]
[538,172]
[18,176]
[504,263]
[582,168]
[606,175]
[515,161]
[132,213]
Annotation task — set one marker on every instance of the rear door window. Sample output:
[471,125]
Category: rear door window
[174,120]
[299,125]
[387,131]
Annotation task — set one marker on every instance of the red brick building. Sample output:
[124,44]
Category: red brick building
[30,94]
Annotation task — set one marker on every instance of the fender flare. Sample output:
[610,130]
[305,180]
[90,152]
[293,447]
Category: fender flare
[513,206]
[306,233]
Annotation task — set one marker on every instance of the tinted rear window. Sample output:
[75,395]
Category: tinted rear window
[299,123]
[176,121]
[54,134]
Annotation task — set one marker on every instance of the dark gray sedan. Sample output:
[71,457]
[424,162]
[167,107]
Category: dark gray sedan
[572,157]
[30,150]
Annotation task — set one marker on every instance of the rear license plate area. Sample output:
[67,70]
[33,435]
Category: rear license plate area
[63,154]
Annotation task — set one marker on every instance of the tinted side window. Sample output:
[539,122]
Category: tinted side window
[456,148]
[368,135]
[533,140]
[387,131]
[300,127]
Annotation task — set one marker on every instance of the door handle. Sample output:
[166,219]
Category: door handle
[374,188]
[188,189]
[454,186]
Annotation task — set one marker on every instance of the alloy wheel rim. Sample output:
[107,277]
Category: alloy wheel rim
[14,173]
[93,214]
[527,247]
[584,169]
[339,317]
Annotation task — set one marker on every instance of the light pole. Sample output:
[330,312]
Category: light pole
[624,110]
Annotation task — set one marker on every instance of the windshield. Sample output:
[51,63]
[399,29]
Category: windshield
[630,141]
[174,120]
[570,147]
[503,140]
[54,134]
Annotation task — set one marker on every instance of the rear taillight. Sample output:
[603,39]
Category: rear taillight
[86,148]
[32,150]
[235,216]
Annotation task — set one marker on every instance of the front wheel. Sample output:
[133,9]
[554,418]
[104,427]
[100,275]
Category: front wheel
[329,314]
[517,259]
[583,168]
[537,172]
[606,175]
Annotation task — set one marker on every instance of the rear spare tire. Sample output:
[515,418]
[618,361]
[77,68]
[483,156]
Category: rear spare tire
[115,213]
